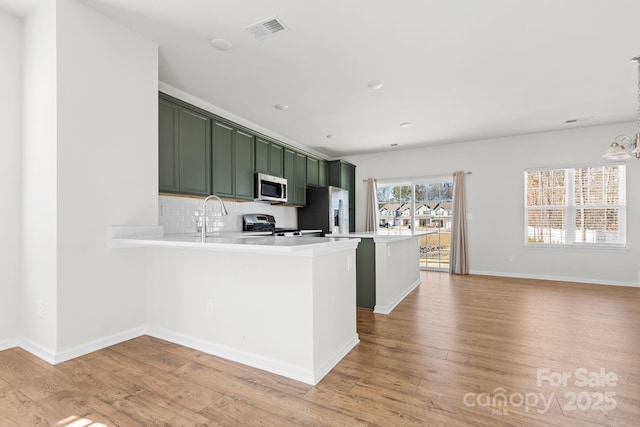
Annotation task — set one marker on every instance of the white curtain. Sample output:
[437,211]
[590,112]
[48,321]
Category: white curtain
[371,219]
[459,259]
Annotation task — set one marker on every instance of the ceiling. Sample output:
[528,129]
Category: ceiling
[455,70]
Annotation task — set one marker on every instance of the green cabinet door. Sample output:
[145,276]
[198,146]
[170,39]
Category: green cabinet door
[323,172]
[366,274]
[276,160]
[194,163]
[289,157]
[269,157]
[312,171]
[244,165]
[262,153]
[223,175]
[168,146]
[300,187]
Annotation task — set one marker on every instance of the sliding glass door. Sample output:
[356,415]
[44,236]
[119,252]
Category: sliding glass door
[394,207]
[420,205]
[434,215]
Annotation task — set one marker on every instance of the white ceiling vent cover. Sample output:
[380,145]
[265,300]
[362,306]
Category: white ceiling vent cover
[267,28]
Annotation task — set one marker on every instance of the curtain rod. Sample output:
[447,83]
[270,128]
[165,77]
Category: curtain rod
[415,178]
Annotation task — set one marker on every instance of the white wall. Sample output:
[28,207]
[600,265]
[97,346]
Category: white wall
[107,171]
[89,161]
[10,174]
[495,199]
[39,175]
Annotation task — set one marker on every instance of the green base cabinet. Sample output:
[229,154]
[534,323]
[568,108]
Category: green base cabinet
[366,274]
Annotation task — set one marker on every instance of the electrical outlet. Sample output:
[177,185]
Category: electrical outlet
[512,258]
[164,210]
[40,307]
[209,307]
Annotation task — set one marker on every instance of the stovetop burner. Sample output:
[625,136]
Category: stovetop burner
[284,230]
[264,222]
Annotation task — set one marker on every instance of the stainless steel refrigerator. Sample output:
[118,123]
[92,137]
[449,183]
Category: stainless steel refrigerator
[327,209]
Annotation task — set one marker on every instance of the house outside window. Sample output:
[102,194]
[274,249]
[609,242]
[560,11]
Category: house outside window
[576,206]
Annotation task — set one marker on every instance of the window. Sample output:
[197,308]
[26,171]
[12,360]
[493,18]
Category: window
[576,206]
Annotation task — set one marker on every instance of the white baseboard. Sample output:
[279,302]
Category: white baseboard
[9,343]
[556,278]
[327,366]
[386,309]
[308,376]
[54,358]
[46,354]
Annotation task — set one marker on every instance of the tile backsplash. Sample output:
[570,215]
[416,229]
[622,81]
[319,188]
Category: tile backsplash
[182,214]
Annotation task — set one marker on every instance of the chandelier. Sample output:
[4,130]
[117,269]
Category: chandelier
[622,144]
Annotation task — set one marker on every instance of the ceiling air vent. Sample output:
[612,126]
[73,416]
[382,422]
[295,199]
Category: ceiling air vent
[267,28]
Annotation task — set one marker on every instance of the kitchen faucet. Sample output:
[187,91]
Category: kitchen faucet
[223,211]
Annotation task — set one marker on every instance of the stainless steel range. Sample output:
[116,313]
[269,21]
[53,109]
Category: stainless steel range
[264,222]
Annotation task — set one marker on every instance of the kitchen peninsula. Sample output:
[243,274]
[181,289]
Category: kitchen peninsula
[387,266]
[285,305]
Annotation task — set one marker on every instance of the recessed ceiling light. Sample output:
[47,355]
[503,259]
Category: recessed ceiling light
[331,137]
[374,84]
[405,124]
[281,107]
[220,44]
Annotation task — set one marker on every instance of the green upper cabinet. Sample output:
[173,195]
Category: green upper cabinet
[289,157]
[343,174]
[317,172]
[263,154]
[233,162]
[269,157]
[277,160]
[168,116]
[244,159]
[201,154]
[300,184]
[184,150]
[312,171]
[195,166]
[295,170]
[323,173]
[223,179]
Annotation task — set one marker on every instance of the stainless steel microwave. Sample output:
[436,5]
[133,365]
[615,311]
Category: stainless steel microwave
[271,188]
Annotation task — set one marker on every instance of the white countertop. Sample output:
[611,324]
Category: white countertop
[383,236]
[235,241]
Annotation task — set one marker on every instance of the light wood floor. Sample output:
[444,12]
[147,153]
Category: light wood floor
[440,358]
